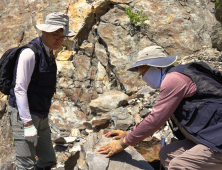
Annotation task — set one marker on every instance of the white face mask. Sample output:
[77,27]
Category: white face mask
[154,77]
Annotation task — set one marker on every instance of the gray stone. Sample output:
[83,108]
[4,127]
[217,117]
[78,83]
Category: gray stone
[82,66]
[9,163]
[122,119]
[88,48]
[108,101]
[144,112]
[127,159]
[144,91]
[6,140]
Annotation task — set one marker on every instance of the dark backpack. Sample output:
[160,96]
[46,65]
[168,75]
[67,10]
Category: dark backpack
[209,70]
[7,64]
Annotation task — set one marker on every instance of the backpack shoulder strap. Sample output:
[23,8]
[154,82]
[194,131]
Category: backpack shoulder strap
[34,49]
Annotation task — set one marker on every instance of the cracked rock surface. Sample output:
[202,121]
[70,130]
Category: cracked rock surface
[90,159]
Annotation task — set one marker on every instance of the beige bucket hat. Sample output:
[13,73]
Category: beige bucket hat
[55,21]
[153,56]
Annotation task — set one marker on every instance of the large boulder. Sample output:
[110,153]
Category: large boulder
[90,159]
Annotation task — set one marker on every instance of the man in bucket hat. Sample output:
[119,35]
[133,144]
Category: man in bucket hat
[191,96]
[30,99]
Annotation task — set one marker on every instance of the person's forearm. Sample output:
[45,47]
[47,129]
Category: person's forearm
[26,64]
[22,104]
[144,129]
[173,89]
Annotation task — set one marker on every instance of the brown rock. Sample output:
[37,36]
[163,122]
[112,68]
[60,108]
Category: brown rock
[2,106]
[149,149]
[88,48]
[101,123]
[100,53]
[59,95]
[65,55]
[82,65]
[85,96]
[73,93]
[56,107]
[1,95]
[80,115]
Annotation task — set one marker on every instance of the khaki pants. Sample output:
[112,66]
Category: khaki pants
[25,150]
[186,155]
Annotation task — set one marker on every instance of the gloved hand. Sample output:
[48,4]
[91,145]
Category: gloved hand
[30,134]
[111,148]
[118,134]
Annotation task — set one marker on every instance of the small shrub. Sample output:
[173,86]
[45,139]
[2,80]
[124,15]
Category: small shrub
[135,17]
[217,4]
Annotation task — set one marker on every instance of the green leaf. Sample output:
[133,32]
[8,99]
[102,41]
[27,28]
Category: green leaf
[135,17]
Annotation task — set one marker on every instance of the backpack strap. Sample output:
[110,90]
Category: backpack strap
[34,49]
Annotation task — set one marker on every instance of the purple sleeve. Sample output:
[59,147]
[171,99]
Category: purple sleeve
[174,88]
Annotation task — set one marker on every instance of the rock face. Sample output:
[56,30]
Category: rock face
[9,163]
[94,89]
[7,152]
[180,27]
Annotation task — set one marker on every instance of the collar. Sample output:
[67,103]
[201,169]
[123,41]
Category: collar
[45,47]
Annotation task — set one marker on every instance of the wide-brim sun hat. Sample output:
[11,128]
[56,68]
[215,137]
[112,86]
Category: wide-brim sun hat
[153,56]
[55,21]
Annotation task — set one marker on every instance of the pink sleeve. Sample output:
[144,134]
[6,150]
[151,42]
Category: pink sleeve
[174,88]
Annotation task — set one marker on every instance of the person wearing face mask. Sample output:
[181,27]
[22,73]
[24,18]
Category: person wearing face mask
[190,95]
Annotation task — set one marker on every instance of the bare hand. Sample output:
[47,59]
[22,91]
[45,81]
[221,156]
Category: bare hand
[118,134]
[29,123]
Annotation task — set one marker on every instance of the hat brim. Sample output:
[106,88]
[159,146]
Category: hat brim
[52,28]
[155,62]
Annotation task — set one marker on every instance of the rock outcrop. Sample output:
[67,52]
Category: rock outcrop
[94,89]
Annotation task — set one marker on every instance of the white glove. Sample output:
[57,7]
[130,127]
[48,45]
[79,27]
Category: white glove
[30,134]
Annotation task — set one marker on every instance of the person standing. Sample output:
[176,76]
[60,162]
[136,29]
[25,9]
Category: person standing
[30,99]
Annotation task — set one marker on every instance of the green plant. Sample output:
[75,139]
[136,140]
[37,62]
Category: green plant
[135,18]
[217,4]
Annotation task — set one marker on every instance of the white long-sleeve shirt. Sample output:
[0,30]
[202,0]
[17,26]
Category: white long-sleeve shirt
[26,65]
